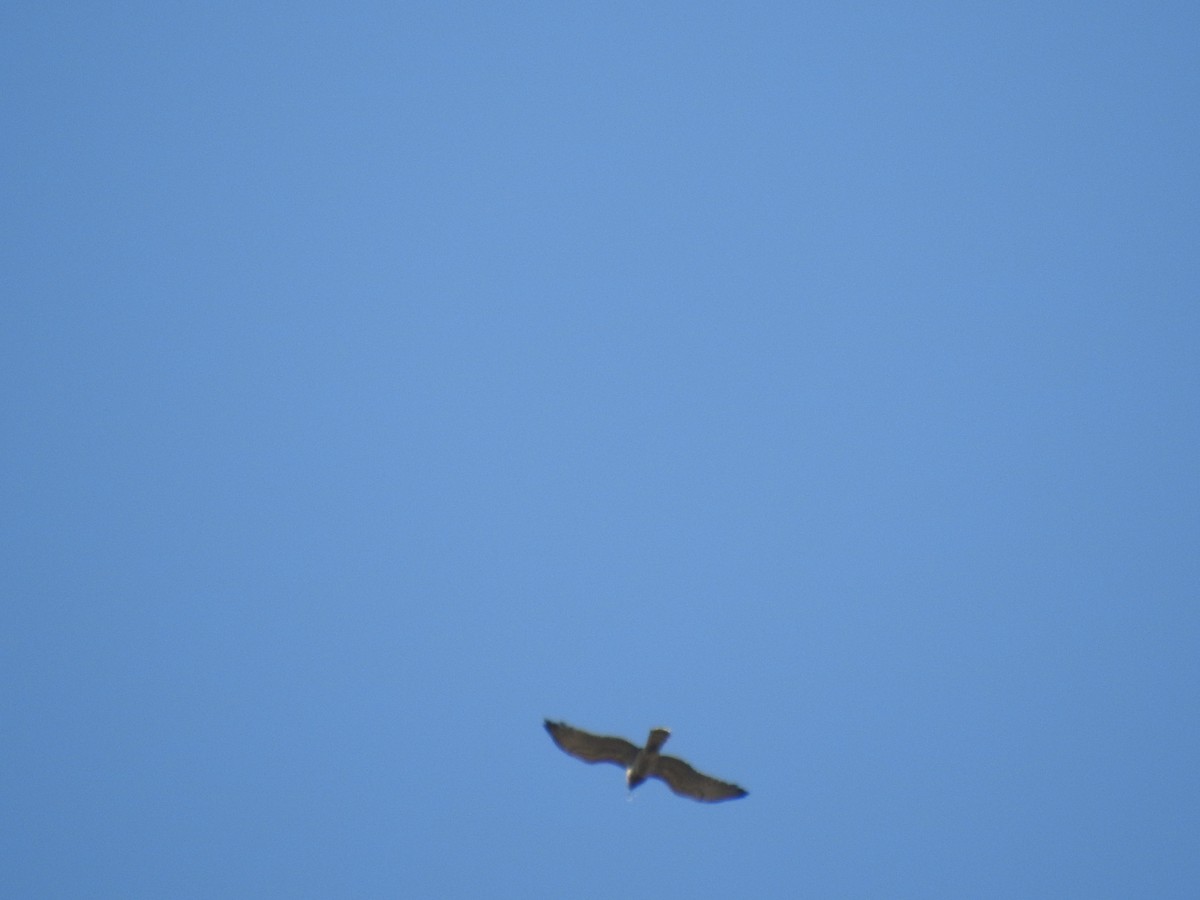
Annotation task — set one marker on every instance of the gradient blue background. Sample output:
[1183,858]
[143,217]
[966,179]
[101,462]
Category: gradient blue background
[820,381]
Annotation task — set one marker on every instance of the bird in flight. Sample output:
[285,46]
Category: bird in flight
[641,763]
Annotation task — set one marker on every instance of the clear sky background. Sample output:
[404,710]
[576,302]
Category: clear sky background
[821,381]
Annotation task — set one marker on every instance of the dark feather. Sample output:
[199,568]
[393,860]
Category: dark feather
[592,748]
[687,782]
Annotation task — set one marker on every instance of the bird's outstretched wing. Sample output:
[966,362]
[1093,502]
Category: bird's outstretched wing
[687,782]
[592,748]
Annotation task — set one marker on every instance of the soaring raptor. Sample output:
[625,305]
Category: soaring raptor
[641,763]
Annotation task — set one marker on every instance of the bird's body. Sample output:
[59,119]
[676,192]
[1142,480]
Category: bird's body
[646,761]
[643,762]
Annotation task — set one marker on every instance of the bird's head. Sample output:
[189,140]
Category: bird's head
[633,780]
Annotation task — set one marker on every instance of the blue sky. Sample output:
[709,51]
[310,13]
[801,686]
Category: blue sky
[819,381]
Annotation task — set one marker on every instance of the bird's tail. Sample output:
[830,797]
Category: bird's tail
[657,738]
